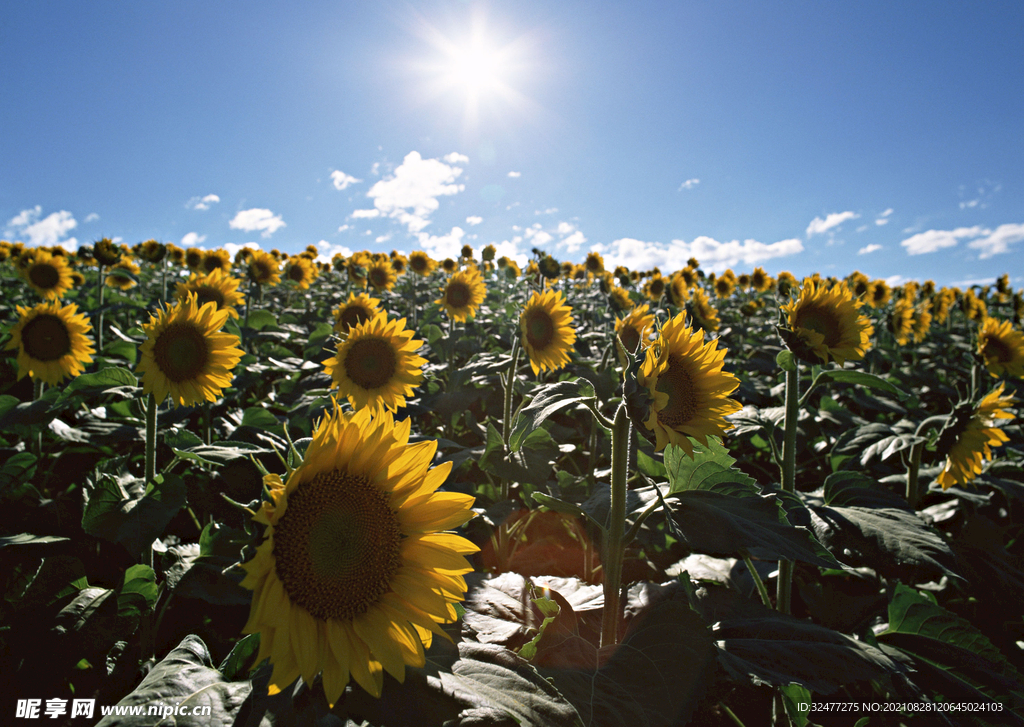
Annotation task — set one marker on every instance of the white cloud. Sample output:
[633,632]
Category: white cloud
[973,281]
[969,204]
[442,246]
[364,214]
[328,251]
[548,211]
[869,249]
[894,280]
[998,241]
[712,254]
[574,241]
[862,228]
[933,240]
[456,158]
[415,185]
[91,217]
[342,180]
[688,184]
[343,228]
[257,219]
[191,239]
[514,175]
[474,220]
[202,203]
[536,235]
[382,238]
[882,221]
[564,228]
[819,226]
[50,230]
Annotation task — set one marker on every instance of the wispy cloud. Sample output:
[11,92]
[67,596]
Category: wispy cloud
[869,249]
[327,250]
[442,246]
[688,184]
[202,203]
[819,226]
[711,253]
[979,196]
[191,239]
[514,175]
[456,158]
[342,180]
[365,214]
[548,211]
[91,217]
[50,230]
[410,194]
[934,240]
[474,220]
[257,219]
[998,241]
[883,219]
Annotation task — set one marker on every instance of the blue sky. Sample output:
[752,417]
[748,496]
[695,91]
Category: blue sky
[803,136]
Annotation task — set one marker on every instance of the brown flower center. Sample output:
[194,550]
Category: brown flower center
[296,273]
[540,329]
[820,320]
[996,348]
[181,351]
[457,294]
[418,264]
[337,547]
[44,276]
[378,277]
[46,338]
[353,315]
[371,362]
[677,382]
[260,271]
[207,293]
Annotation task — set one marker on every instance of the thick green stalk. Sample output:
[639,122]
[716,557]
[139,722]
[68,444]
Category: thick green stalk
[99,307]
[146,626]
[913,485]
[150,438]
[506,422]
[785,583]
[614,543]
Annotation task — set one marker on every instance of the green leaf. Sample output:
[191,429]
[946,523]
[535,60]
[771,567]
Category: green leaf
[721,524]
[17,470]
[221,452]
[550,610]
[566,508]
[895,542]
[181,439]
[710,468]
[548,399]
[29,539]
[258,417]
[650,466]
[492,678]
[786,360]
[122,349]
[260,319]
[779,650]
[186,676]
[236,665]
[90,624]
[58,577]
[855,489]
[863,379]
[134,520]
[138,593]
[793,695]
[115,381]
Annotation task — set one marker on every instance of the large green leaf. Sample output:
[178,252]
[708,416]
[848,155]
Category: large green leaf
[854,489]
[862,379]
[116,381]
[135,520]
[548,400]
[185,677]
[710,468]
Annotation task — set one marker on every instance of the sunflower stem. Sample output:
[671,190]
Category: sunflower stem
[207,424]
[912,471]
[622,431]
[99,308]
[150,439]
[38,386]
[761,588]
[506,423]
[785,583]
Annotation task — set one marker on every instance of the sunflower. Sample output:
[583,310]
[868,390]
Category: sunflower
[973,307]
[702,312]
[177,254]
[725,285]
[463,294]
[421,263]
[301,272]
[510,268]
[551,269]
[357,309]
[548,335]
[218,286]
[381,275]
[185,355]
[594,263]
[52,342]
[194,258]
[655,287]
[48,275]
[677,291]
[354,572]
[399,263]
[878,293]
[974,439]
[901,321]
[786,283]
[264,268]
[1002,348]
[761,281]
[376,366]
[620,300]
[634,330]
[357,266]
[106,252]
[689,389]
[218,259]
[941,303]
[859,284]
[152,251]
[826,324]
[120,276]
[488,253]
[922,320]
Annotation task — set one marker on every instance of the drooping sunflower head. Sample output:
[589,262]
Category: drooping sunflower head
[399,263]
[48,275]
[52,342]
[941,303]
[357,309]
[620,300]
[355,572]
[123,276]
[702,313]
[106,252]
[786,283]
[301,272]
[860,284]
[973,307]
[219,259]
[826,324]
[488,253]
[878,294]
[688,388]
[550,268]
[973,438]
[677,291]
[381,275]
[761,281]
[1002,348]
[449,265]
[218,287]
[594,263]
[243,255]
[1003,283]
[176,253]
[185,355]
[194,258]
[901,321]
[634,330]
[264,269]
[922,320]
[376,365]
[547,330]
[152,251]
[462,294]
[421,263]
[654,288]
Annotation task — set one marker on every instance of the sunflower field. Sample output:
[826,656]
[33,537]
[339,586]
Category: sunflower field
[267,489]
